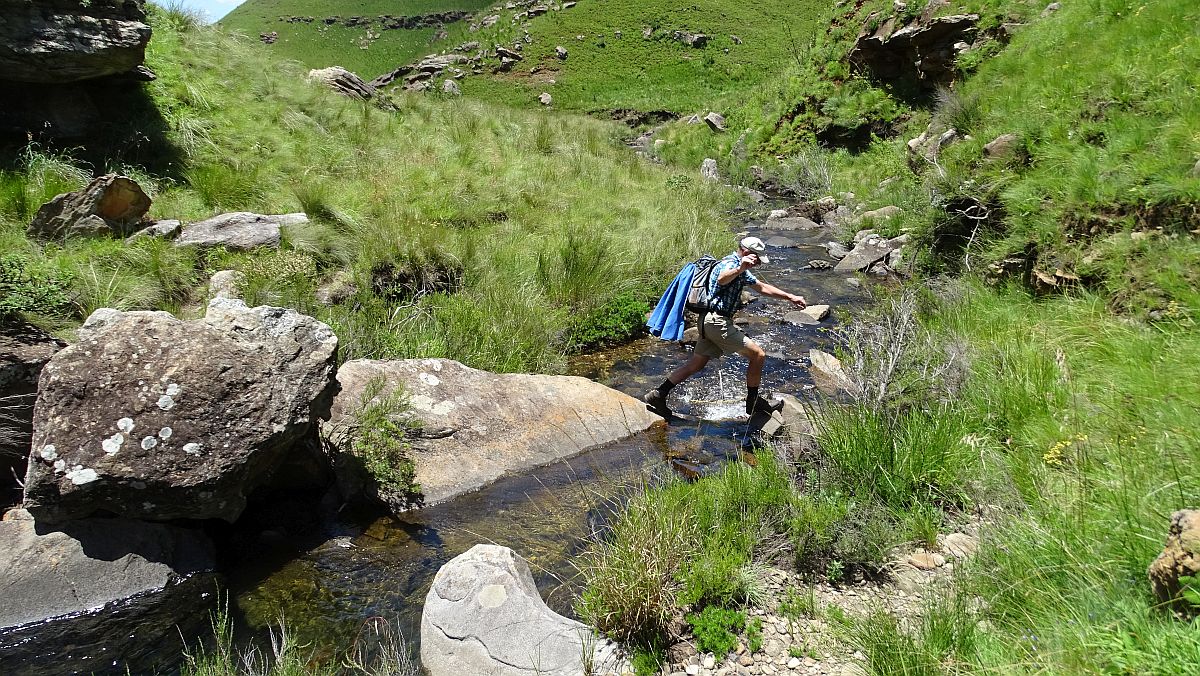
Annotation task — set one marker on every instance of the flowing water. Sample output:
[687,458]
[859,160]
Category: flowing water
[352,570]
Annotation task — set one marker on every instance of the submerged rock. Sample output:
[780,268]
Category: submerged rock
[501,423]
[483,615]
[151,417]
[100,595]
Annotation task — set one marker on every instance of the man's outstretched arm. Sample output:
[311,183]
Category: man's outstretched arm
[772,291]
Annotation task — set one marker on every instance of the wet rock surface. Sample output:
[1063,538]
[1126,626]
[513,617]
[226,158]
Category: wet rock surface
[99,595]
[151,417]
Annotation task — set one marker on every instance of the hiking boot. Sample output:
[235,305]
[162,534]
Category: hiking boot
[656,403]
[762,405]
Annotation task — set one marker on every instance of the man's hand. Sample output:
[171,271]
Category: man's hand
[749,261]
[798,301]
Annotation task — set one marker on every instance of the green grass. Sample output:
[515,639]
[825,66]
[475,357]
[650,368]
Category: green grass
[472,232]
[369,51]
[604,72]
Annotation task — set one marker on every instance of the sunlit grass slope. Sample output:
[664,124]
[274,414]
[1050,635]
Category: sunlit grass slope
[366,50]
[501,238]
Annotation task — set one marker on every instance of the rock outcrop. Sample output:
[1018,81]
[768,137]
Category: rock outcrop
[151,417]
[99,595]
[1180,558]
[342,81]
[239,230]
[483,615]
[57,41]
[920,54]
[494,424]
[64,62]
[109,206]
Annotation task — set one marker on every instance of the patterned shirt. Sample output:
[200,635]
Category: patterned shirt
[727,299]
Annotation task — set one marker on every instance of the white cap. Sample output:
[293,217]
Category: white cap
[755,246]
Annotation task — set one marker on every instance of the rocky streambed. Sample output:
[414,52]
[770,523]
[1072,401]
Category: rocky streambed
[203,434]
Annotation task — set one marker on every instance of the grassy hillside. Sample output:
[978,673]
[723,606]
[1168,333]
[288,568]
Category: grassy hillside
[1069,417]
[367,50]
[749,42]
[611,67]
[481,234]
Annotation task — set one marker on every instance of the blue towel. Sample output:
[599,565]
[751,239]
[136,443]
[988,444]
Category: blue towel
[666,321]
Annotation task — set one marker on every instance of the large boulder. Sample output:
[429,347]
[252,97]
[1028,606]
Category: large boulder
[151,417]
[56,41]
[919,54]
[240,230]
[100,595]
[109,206]
[483,615]
[342,81]
[1179,559]
[490,424]
[24,350]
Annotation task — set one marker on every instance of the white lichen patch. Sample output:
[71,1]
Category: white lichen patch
[165,433]
[149,443]
[492,596]
[113,444]
[80,475]
[173,389]
[60,465]
[48,453]
[192,448]
[166,403]
[434,364]
[427,404]
[429,379]
[125,425]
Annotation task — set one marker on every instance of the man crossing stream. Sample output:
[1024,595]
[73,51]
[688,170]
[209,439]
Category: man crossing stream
[719,335]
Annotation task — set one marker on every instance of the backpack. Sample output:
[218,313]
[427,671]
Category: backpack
[698,297]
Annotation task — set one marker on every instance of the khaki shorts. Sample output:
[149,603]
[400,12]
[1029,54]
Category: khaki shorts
[720,336]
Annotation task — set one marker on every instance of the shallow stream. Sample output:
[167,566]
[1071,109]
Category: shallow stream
[353,570]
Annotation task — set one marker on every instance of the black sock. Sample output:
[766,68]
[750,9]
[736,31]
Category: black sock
[751,395]
[666,387]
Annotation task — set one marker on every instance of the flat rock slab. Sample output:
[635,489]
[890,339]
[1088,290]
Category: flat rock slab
[503,423]
[151,417]
[809,316]
[483,615]
[239,231]
[100,595]
[793,223]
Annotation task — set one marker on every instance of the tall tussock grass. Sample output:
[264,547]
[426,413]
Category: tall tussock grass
[478,233]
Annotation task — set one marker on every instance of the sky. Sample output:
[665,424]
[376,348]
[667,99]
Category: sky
[212,9]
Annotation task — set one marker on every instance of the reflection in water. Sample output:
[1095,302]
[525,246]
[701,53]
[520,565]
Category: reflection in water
[384,567]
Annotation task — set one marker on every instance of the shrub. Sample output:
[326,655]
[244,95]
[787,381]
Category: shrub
[382,441]
[619,319]
[26,288]
[716,629]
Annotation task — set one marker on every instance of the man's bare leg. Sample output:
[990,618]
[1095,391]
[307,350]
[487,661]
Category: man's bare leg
[690,368]
[656,399]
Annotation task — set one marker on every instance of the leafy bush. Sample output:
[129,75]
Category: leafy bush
[26,288]
[618,320]
[382,441]
[716,629]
